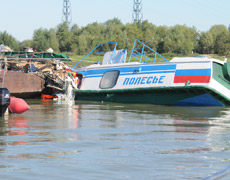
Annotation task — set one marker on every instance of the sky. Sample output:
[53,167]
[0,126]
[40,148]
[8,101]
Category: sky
[20,18]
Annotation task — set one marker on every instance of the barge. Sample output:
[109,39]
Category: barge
[29,74]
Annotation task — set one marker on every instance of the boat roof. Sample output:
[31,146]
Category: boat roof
[93,66]
[194,59]
[176,60]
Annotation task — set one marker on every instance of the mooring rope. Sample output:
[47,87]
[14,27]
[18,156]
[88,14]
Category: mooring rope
[219,175]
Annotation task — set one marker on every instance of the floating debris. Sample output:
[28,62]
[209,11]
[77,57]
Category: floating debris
[29,74]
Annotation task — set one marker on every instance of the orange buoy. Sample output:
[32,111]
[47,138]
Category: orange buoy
[17,105]
[47,96]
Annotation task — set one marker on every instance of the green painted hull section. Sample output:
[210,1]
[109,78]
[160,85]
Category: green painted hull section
[158,96]
[221,74]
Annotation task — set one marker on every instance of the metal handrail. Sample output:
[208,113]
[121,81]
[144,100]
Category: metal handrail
[91,52]
[135,53]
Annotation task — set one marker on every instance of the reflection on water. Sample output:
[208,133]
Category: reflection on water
[93,140]
[18,125]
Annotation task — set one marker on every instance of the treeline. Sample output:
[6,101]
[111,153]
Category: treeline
[179,39]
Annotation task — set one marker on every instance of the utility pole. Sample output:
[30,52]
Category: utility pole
[66,12]
[137,11]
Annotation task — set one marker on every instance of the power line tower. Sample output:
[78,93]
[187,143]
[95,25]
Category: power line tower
[66,12]
[137,11]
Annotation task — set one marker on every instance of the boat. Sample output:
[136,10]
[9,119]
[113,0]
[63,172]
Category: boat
[182,81]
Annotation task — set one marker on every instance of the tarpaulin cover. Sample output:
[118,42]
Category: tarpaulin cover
[24,54]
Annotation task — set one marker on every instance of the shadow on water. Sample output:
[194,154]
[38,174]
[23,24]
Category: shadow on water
[165,115]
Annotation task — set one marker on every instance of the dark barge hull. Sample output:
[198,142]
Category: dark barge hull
[24,85]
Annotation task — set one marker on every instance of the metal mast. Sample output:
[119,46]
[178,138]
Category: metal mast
[137,11]
[66,12]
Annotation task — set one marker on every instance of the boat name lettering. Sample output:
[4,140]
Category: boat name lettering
[144,80]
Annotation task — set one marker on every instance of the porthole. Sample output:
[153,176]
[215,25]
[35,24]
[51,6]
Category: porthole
[109,79]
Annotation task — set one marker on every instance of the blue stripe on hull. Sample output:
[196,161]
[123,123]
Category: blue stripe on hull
[201,100]
[128,74]
[129,69]
[193,72]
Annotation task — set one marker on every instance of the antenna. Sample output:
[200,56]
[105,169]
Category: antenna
[137,11]
[66,12]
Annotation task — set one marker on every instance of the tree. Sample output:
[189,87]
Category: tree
[174,39]
[223,44]
[96,34]
[219,34]
[26,43]
[133,32]
[114,32]
[161,34]
[65,38]
[9,40]
[206,45]
[41,39]
[76,31]
[83,45]
[123,40]
[180,39]
[149,34]
[53,40]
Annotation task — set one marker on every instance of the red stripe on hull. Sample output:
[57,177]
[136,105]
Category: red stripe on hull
[192,79]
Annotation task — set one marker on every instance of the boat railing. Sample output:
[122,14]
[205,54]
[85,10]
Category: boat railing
[119,56]
[97,47]
[140,53]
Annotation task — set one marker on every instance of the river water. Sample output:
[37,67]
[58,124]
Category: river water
[95,140]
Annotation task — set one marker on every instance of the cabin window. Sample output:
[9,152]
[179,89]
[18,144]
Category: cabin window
[109,79]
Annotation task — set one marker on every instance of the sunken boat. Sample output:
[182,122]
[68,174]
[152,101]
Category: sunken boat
[183,81]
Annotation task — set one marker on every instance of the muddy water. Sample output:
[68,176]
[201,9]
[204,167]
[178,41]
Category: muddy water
[94,140]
